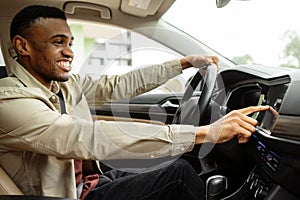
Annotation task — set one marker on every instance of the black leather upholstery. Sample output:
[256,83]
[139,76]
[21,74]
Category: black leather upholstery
[3,72]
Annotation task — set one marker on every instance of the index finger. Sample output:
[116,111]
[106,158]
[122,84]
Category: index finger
[253,109]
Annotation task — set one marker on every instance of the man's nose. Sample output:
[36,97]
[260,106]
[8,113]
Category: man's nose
[68,52]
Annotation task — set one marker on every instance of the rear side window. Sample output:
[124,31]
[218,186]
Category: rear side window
[108,50]
[2,63]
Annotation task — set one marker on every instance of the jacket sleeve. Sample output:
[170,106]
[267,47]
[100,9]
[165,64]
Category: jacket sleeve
[29,124]
[108,88]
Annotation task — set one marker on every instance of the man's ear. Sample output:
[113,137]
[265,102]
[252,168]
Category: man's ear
[21,45]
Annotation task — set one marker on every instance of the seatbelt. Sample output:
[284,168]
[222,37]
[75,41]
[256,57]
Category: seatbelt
[64,111]
[62,103]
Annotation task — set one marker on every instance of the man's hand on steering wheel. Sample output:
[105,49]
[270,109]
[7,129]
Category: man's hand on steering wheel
[192,112]
[199,61]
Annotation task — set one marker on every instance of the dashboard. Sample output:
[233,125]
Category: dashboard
[269,164]
[259,94]
[277,88]
[275,145]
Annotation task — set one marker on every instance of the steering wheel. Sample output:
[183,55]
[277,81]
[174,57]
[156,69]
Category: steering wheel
[191,111]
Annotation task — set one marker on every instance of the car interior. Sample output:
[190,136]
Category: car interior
[267,167]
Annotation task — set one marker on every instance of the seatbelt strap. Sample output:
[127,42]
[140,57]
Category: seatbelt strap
[76,162]
[91,180]
[62,102]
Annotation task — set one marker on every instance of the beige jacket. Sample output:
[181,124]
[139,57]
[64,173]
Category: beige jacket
[38,143]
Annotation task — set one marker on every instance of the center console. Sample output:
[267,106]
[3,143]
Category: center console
[260,183]
[260,179]
[272,177]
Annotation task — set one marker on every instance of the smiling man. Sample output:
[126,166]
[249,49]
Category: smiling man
[47,53]
[48,128]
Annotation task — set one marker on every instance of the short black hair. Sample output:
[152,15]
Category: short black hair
[26,17]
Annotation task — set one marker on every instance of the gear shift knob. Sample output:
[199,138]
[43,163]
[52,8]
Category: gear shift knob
[215,185]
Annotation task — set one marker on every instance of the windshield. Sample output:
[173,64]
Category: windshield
[253,31]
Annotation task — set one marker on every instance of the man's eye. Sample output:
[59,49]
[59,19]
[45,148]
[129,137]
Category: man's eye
[58,42]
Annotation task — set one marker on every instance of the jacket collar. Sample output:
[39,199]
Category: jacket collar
[28,80]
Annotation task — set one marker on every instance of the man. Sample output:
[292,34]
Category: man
[46,122]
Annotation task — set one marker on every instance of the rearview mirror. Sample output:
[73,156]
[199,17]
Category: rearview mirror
[221,3]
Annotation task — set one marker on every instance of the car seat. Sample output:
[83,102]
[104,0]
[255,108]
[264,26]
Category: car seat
[7,186]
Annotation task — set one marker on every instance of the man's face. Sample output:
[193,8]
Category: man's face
[50,53]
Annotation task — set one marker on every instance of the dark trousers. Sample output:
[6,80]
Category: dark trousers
[175,180]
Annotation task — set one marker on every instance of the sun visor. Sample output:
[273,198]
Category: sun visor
[141,8]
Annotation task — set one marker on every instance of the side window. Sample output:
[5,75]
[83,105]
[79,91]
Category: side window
[3,72]
[2,63]
[101,49]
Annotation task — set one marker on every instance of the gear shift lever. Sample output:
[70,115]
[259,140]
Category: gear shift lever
[214,186]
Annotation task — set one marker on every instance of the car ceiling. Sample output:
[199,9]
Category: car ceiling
[116,11]
[130,14]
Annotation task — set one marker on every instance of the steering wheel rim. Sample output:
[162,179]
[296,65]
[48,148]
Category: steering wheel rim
[194,114]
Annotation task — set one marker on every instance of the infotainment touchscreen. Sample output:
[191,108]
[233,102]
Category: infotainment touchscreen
[260,102]
[266,119]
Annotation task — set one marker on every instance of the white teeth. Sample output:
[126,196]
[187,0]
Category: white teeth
[64,64]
